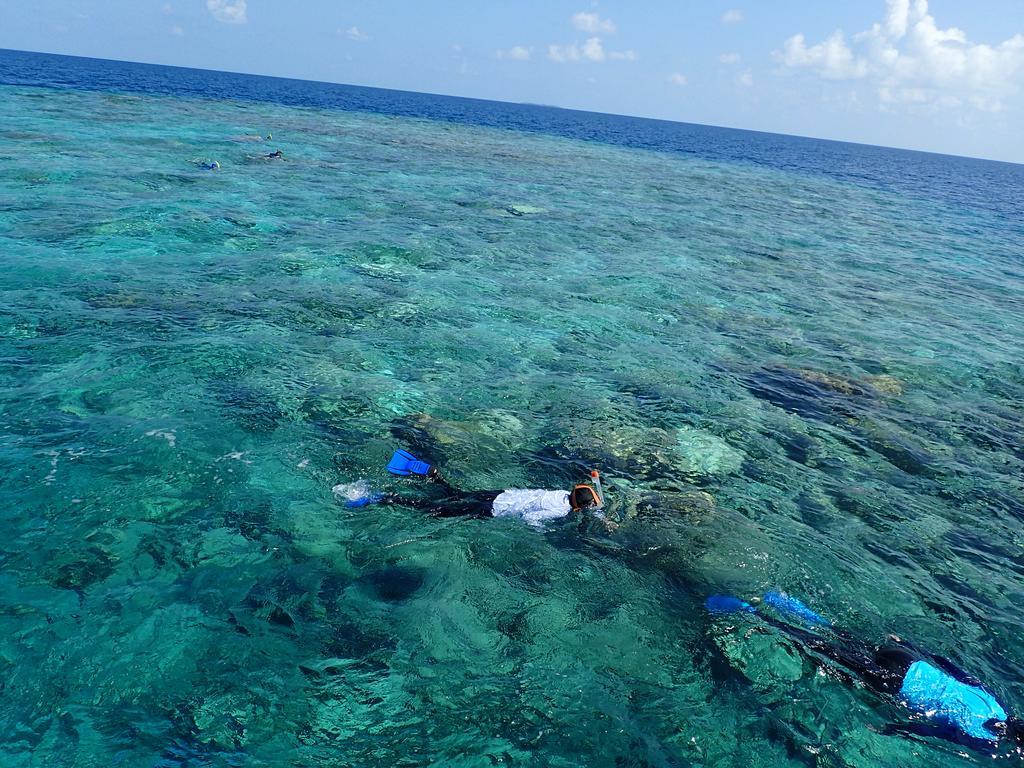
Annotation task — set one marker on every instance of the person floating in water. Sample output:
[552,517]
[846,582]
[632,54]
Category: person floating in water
[534,506]
[275,155]
[945,701]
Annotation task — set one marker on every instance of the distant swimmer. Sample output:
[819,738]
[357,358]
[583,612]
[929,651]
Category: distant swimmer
[534,506]
[945,702]
[207,165]
[278,154]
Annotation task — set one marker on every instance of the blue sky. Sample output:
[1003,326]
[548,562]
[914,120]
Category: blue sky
[940,75]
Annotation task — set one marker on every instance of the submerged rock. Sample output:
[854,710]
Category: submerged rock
[281,617]
[494,423]
[83,569]
[831,381]
[808,394]
[399,259]
[692,505]
[820,395]
[625,450]
[816,511]
[524,210]
[382,272]
[394,583]
[900,449]
[257,412]
[885,384]
[799,447]
[704,454]
[764,658]
[112,300]
[490,439]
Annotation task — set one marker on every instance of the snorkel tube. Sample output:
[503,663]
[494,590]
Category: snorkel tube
[596,477]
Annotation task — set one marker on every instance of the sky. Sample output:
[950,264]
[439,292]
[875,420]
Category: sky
[937,75]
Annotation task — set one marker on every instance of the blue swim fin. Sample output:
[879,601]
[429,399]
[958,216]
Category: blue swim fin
[365,501]
[727,604]
[404,463]
[790,606]
[357,494]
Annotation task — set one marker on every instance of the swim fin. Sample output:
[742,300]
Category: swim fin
[364,501]
[404,463]
[790,606]
[357,494]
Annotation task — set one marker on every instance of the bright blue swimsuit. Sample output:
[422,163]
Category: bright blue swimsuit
[946,701]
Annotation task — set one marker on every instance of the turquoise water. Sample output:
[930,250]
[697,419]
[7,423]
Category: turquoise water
[790,380]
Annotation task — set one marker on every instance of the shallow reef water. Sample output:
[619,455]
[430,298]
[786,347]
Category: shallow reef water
[798,366]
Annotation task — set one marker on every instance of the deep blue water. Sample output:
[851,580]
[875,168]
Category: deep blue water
[992,186]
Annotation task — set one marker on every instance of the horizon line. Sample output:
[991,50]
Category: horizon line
[525,104]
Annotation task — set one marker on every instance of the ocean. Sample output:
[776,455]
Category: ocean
[797,364]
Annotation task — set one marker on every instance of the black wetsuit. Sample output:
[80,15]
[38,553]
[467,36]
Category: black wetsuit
[883,669]
[535,506]
[445,500]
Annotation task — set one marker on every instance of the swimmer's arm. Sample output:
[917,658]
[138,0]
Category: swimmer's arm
[924,730]
[597,514]
[956,672]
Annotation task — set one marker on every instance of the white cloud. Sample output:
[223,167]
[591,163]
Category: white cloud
[832,58]
[729,58]
[355,33]
[744,79]
[912,62]
[591,50]
[678,78]
[629,55]
[592,23]
[563,53]
[734,16]
[227,11]
[516,53]
[178,31]
[168,9]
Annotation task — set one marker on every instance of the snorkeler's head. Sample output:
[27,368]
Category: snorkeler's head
[583,497]
[1013,730]
[1009,730]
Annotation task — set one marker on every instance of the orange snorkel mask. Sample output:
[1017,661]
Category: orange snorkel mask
[583,496]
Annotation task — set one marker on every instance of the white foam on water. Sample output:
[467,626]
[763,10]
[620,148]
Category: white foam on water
[167,434]
[51,477]
[360,489]
[234,456]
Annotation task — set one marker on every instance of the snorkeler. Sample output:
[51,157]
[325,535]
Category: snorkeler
[946,702]
[534,506]
[278,155]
